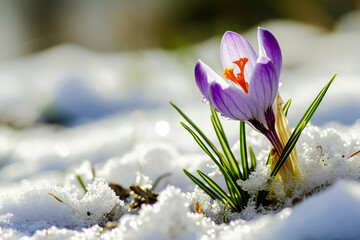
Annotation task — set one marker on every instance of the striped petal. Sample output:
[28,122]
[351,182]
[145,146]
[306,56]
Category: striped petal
[204,76]
[231,101]
[269,47]
[233,47]
[263,87]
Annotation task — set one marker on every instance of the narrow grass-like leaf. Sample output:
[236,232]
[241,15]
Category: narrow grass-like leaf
[253,159]
[239,195]
[216,118]
[243,152]
[222,164]
[199,141]
[234,166]
[288,148]
[300,127]
[269,155]
[260,197]
[218,189]
[234,169]
[286,107]
[223,161]
[314,105]
[295,136]
[236,193]
[58,199]
[81,183]
[210,192]
[224,169]
[195,127]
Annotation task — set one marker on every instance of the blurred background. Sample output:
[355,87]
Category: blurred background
[90,79]
[28,26]
[68,62]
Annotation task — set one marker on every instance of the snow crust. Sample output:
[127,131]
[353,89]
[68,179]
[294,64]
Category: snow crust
[120,129]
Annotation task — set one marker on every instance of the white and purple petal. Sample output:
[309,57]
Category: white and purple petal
[261,73]
[269,47]
[204,76]
[231,101]
[233,47]
[263,86]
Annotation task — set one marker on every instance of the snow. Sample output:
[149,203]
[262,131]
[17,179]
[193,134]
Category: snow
[257,180]
[35,208]
[337,204]
[119,128]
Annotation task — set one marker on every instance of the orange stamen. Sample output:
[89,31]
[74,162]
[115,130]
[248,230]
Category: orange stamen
[239,79]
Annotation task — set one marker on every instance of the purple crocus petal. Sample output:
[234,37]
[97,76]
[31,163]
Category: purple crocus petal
[231,101]
[204,76]
[264,86]
[269,47]
[233,47]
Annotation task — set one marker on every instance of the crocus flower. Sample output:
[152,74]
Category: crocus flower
[250,84]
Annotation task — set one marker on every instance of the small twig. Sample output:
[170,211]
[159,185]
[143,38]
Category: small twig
[141,196]
[353,154]
[321,149]
[56,197]
[120,191]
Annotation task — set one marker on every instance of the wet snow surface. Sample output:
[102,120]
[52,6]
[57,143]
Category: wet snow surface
[119,128]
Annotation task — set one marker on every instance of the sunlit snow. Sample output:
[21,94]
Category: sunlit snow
[118,127]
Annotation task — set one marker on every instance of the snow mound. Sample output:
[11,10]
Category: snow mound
[38,208]
[329,215]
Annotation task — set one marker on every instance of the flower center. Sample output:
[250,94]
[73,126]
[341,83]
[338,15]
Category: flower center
[239,79]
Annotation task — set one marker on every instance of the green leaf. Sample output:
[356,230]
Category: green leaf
[228,165]
[286,107]
[300,127]
[217,189]
[223,161]
[269,155]
[199,141]
[260,197]
[253,159]
[216,118]
[287,149]
[222,167]
[295,136]
[240,196]
[195,127]
[210,192]
[81,183]
[232,163]
[243,153]
[314,105]
[234,166]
